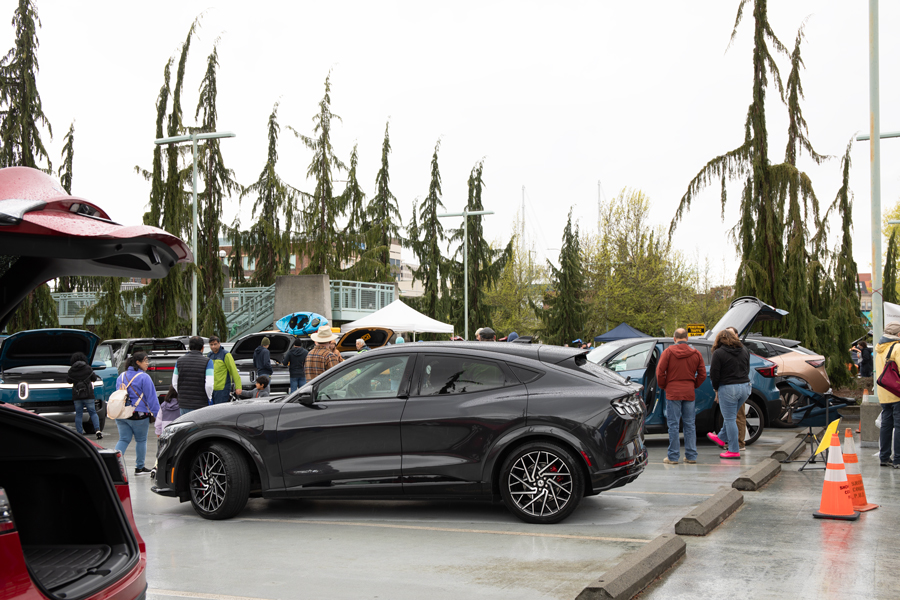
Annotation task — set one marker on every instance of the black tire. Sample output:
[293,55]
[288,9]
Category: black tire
[529,490]
[791,400]
[755,420]
[219,482]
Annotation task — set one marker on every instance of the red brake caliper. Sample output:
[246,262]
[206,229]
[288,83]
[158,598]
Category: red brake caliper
[553,469]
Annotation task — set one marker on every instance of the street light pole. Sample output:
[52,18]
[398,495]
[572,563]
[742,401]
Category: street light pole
[465,214]
[194,138]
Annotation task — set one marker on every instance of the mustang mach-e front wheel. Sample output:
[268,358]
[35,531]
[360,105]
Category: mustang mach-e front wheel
[219,482]
[541,482]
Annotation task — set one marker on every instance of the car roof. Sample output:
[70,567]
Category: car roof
[542,352]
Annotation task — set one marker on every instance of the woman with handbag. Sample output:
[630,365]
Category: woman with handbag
[142,396]
[887,351]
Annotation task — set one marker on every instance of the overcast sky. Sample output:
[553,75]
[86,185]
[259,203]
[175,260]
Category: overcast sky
[554,96]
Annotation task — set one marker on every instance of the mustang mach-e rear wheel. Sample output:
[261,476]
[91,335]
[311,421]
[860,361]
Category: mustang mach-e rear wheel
[541,482]
[219,482]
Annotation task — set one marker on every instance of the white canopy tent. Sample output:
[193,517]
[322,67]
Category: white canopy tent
[400,317]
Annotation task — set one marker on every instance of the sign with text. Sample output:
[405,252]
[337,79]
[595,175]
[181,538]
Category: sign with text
[696,329]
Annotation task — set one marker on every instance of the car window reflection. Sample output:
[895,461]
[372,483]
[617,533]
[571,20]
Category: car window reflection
[379,378]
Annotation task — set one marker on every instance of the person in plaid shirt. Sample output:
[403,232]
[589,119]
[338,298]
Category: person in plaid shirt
[322,357]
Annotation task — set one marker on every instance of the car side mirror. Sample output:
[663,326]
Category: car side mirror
[306,397]
[98,364]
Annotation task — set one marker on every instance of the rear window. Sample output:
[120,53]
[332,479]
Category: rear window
[151,345]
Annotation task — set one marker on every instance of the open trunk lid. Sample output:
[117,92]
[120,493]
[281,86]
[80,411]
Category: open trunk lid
[743,313]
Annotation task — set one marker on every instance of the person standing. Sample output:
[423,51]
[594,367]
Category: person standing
[262,360]
[295,361]
[865,360]
[82,378]
[741,418]
[142,396]
[887,350]
[487,335]
[225,372]
[730,375]
[321,358]
[193,377]
[680,372]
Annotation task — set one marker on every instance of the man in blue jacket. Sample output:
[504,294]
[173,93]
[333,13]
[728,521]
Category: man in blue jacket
[262,360]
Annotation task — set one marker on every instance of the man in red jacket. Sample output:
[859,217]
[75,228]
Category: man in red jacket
[681,371]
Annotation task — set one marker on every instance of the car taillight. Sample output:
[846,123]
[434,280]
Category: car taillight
[152,368]
[122,468]
[6,519]
[768,371]
[816,363]
[629,407]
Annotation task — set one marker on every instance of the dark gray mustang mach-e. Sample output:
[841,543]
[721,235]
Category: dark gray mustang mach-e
[536,426]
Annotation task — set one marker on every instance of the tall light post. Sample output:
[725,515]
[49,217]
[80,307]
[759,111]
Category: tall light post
[194,138]
[465,214]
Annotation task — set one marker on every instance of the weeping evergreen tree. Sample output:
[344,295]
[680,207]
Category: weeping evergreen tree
[218,184]
[759,232]
[22,121]
[426,236]
[384,213]
[167,301]
[889,280]
[565,318]
[354,198]
[366,258]
[324,245]
[269,241]
[485,263]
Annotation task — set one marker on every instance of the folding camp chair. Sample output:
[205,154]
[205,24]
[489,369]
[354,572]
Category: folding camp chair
[815,413]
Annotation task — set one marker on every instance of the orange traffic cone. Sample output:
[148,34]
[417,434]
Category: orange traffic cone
[854,477]
[836,502]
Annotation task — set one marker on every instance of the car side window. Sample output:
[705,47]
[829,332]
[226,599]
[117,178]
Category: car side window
[757,348]
[376,378]
[632,358]
[104,353]
[442,375]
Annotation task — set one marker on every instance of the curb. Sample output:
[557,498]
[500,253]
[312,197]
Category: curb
[787,451]
[637,570]
[758,476]
[708,515]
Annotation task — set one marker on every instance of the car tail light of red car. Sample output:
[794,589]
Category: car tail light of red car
[6,518]
[816,363]
[771,371]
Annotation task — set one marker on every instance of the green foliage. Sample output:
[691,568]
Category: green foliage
[521,284]
[324,244]
[37,311]
[889,281]
[68,154]
[383,212]
[564,320]
[109,311]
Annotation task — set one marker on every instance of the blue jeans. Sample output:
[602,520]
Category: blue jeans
[137,429]
[80,405]
[890,426]
[731,398]
[221,396]
[297,383]
[684,411]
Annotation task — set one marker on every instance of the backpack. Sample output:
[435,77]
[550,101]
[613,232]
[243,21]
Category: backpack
[81,390]
[117,407]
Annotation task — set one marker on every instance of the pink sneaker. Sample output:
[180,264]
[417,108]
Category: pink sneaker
[715,440]
[732,455]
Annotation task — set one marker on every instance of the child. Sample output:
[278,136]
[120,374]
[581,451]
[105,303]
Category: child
[169,410]
[262,382]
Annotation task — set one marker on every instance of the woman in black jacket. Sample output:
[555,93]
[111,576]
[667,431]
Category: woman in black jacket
[82,378]
[730,376]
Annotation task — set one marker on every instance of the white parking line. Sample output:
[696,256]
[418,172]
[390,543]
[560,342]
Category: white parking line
[628,493]
[177,594]
[450,530]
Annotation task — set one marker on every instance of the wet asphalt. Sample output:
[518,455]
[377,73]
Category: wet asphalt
[287,549]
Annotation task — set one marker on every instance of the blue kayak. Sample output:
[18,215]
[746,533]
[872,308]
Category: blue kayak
[301,323]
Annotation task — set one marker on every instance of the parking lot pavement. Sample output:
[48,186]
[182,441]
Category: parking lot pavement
[284,549]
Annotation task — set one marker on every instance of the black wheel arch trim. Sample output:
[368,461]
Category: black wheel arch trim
[187,447]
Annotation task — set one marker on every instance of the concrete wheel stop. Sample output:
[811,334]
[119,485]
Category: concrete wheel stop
[758,476]
[708,515]
[637,570]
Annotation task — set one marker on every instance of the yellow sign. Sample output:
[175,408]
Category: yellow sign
[826,439]
[696,329]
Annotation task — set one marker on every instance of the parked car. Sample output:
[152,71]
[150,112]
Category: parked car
[163,352]
[538,427]
[33,370]
[796,364]
[66,525]
[637,358]
[279,343]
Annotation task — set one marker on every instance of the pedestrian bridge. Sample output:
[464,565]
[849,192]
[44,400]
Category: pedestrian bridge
[249,309]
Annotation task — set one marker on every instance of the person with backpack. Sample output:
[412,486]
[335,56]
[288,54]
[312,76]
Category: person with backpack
[82,378]
[142,396]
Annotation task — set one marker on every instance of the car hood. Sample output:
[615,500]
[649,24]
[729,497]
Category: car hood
[743,313]
[45,233]
[374,337]
[41,347]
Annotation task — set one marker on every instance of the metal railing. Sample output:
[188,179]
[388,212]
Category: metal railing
[351,300]
[248,310]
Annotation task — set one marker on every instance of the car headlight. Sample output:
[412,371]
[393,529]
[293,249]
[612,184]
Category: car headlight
[172,428]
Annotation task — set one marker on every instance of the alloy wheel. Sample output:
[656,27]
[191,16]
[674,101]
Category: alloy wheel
[209,484]
[540,483]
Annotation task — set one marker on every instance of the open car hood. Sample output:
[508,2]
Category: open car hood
[42,347]
[45,233]
[375,337]
[743,313]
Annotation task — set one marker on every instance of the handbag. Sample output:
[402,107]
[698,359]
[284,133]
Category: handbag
[117,407]
[890,375]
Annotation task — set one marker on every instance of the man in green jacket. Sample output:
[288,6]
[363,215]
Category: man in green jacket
[224,371]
